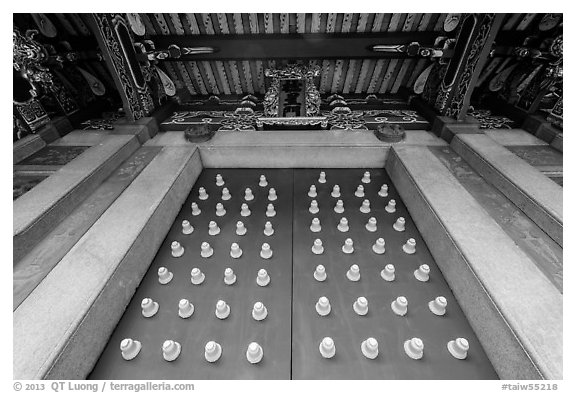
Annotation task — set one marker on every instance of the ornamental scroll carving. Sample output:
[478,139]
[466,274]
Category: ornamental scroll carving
[29,60]
[134,77]
[306,74]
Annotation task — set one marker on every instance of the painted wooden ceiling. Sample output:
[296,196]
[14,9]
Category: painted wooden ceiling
[342,76]
[239,77]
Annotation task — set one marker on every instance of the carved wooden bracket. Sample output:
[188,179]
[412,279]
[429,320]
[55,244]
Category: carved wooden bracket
[304,77]
[130,76]
[412,49]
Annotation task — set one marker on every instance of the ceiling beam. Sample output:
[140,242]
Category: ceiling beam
[292,46]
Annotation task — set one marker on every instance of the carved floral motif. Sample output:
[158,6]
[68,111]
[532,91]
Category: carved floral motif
[292,71]
[557,114]
[245,119]
[293,121]
[345,120]
[33,114]
[395,115]
[271,98]
[238,122]
[489,121]
[140,102]
[454,107]
[547,82]
[29,59]
[105,123]
[27,53]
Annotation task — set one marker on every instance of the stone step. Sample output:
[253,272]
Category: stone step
[492,278]
[542,128]
[144,129]
[547,158]
[514,137]
[529,237]
[82,138]
[38,262]
[558,142]
[48,203]
[56,339]
[26,146]
[534,193]
[55,152]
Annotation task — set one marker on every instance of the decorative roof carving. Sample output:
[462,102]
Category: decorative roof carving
[292,71]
